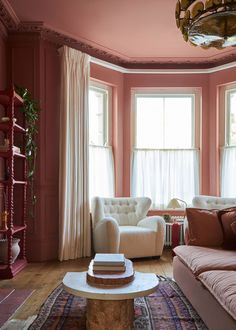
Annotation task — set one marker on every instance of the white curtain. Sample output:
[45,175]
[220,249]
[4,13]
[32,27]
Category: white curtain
[101,171]
[74,217]
[228,172]
[165,174]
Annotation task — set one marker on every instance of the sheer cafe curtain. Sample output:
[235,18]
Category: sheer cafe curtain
[101,171]
[228,172]
[74,216]
[165,174]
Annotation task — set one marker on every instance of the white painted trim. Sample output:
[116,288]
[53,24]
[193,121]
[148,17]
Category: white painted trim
[194,93]
[108,108]
[162,71]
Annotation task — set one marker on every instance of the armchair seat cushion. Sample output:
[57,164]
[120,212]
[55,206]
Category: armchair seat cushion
[137,241]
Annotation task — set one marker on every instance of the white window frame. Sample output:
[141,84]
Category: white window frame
[195,93]
[227,151]
[107,109]
[228,92]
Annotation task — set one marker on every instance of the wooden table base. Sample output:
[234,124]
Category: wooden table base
[110,314]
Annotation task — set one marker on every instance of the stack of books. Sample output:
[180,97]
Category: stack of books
[109,262]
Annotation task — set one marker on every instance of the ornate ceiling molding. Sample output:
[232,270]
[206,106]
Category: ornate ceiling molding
[13,25]
[8,16]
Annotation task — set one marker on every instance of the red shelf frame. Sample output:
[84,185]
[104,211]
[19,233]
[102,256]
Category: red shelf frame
[5,126]
[10,270]
[9,99]
[15,229]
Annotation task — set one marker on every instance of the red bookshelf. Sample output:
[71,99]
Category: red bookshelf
[15,224]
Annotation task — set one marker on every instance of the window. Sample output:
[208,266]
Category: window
[101,168]
[98,116]
[164,122]
[228,151]
[165,155]
[231,118]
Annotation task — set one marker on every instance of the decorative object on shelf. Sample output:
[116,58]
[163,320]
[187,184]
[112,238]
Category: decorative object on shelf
[6,147]
[7,119]
[4,212]
[31,111]
[4,220]
[15,250]
[177,203]
[208,23]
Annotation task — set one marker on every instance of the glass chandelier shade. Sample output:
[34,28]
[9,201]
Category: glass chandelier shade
[209,23]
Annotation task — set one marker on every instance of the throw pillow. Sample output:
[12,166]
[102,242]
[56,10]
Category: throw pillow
[204,228]
[233,226]
[228,221]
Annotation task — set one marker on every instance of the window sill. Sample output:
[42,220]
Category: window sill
[174,212]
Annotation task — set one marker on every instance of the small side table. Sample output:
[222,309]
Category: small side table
[176,227]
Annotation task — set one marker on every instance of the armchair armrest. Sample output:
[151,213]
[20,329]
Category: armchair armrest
[155,223]
[106,236]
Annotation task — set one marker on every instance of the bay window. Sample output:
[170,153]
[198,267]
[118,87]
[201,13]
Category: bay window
[101,165]
[165,160]
[228,151]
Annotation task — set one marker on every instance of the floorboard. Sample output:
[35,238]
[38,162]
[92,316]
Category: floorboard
[45,276]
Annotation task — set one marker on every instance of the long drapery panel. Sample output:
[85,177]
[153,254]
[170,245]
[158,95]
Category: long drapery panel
[74,216]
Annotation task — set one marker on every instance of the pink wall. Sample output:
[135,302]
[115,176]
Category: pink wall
[216,80]
[116,80]
[3,63]
[34,63]
[3,66]
[162,81]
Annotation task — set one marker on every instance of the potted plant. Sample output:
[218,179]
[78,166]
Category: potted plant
[31,112]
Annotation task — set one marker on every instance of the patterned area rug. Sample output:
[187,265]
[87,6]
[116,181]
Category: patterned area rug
[10,301]
[167,308]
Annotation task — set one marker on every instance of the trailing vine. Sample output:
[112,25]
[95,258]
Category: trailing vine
[31,112]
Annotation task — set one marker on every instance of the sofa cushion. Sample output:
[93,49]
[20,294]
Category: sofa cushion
[204,228]
[200,259]
[233,226]
[228,220]
[222,285]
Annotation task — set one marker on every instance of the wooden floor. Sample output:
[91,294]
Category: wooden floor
[44,277]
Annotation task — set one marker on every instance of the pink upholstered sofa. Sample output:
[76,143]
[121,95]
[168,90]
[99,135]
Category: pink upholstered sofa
[206,272]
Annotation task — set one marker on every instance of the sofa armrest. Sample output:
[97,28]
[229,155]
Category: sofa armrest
[106,236]
[155,223]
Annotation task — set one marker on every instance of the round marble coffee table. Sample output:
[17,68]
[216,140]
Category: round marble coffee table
[110,307]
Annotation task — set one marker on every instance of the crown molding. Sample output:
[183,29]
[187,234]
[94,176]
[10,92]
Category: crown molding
[8,15]
[60,39]
[117,62]
[120,69]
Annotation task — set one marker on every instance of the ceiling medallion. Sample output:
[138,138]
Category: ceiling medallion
[208,23]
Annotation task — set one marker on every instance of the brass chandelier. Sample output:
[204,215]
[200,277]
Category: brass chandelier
[208,23]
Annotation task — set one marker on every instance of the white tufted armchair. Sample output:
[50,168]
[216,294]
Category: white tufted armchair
[120,225]
[213,202]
